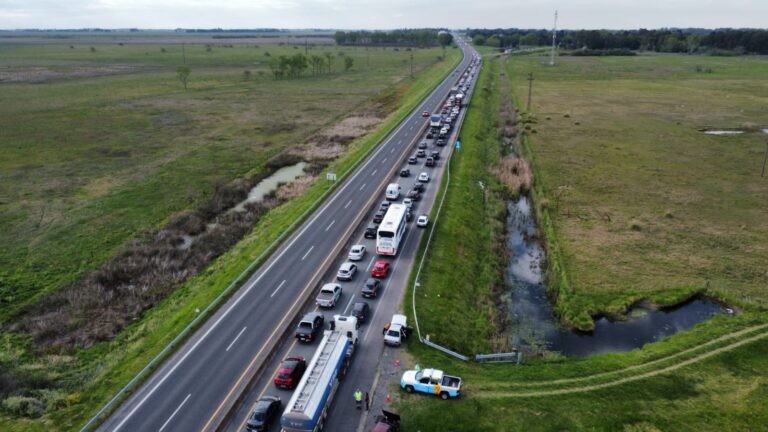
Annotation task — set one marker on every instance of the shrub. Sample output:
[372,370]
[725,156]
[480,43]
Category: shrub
[24,406]
[635,225]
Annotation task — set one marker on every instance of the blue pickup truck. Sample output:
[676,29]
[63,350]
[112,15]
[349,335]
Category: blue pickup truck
[431,381]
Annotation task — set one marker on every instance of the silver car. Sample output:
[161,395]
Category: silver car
[346,271]
[356,253]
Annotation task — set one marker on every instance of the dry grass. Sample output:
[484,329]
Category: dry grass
[515,174]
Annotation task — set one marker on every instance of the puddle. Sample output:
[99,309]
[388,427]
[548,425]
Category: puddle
[532,323]
[186,242]
[723,132]
[283,175]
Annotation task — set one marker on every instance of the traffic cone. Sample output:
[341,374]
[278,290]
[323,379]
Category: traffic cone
[389,398]
[397,362]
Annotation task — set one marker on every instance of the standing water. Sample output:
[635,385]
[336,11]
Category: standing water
[533,324]
[269,184]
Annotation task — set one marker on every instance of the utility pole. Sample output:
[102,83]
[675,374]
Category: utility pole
[411,64]
[367,57]
[765,159]
[554,37]
[530,87]
[306,47]
[183,54]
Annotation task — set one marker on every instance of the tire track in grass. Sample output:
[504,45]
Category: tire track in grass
[715,341]
[591,387]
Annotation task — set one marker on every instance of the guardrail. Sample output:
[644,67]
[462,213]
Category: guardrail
[416,284]
[213,306]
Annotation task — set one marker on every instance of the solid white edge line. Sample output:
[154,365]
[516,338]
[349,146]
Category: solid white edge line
[236,338]
[310,250]
[248,288]
[174,412]
[277,289]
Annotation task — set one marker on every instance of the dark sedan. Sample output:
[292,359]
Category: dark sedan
[266,412]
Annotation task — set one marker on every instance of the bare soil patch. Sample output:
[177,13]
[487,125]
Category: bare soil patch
[40,74]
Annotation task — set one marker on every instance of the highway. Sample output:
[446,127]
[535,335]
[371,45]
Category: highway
[195,387]
[343,415]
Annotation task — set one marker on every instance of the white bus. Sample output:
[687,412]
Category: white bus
[391,230]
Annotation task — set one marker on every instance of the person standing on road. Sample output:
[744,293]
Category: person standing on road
[358,398]
[367,401]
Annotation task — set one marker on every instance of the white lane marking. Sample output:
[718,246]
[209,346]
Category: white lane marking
[348,304]
[401,141]
[244,292]
[350,202]
[363,186]
[310,250]
[330,225]
[384,161]
[374,172]
[277,289]
[174,413]
[235,339]
[369,263]
[393,150]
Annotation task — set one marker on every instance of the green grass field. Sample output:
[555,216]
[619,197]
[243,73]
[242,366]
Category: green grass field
[90,162]
[644,205]
[75,385]
[711,377]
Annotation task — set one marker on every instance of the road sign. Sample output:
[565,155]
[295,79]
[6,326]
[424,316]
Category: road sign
[330,176]
[458,144]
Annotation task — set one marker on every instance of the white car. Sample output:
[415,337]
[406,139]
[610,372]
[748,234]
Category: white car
[422,221]
[346,271]
[407,202]
[423,177]
[356,253]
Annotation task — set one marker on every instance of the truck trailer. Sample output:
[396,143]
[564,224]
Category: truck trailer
[308,407]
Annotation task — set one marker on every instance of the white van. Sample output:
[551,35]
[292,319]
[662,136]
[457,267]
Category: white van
[393,191]
[396,331]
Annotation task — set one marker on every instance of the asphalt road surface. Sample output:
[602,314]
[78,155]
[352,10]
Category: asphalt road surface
[370,351]
[190,390]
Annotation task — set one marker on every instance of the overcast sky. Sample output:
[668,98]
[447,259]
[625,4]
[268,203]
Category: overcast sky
[382,14]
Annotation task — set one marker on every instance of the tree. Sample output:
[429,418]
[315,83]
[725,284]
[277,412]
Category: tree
[348,63]
[478,40]
[444,39]
[493,41]
[182,72]
[329,59]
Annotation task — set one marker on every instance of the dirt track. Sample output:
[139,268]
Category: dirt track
[590,387]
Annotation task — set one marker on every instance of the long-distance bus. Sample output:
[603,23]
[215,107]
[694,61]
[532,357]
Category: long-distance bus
[391,230]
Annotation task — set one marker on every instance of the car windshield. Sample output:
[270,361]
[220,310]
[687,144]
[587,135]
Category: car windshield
[305,324]
[393,333]
[386,234]
[260,413]
[285,375]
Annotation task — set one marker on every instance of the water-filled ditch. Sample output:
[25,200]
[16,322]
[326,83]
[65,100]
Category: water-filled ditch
[532,323]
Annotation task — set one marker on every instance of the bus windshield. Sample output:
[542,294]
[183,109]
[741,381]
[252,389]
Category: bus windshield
[386,234]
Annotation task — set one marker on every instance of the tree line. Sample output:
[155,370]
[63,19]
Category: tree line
[420,37]
[294,66]
[692,41]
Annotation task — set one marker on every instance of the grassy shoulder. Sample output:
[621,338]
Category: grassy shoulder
[96,374]
[641,204]
[455,300]
[710,377]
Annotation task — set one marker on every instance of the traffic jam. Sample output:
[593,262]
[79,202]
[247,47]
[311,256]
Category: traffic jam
[304,383]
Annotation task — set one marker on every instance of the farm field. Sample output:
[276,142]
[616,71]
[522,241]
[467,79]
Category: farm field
[643,204]
[99,146]
[711,377]
[105,149]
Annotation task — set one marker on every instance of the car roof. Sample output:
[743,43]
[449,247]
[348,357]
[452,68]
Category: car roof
[359,305]
[311,315]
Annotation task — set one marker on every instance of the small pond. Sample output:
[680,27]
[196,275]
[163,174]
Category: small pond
[532,322]
[285,174]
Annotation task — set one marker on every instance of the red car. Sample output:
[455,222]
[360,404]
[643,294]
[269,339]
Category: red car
[290,372]
[380,269]
[425,114]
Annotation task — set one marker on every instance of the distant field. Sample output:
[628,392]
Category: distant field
[643,203]
[99,146]
[709,378]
